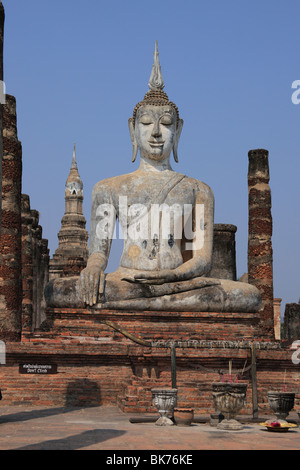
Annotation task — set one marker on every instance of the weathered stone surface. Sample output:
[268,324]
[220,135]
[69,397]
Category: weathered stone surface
[199,294]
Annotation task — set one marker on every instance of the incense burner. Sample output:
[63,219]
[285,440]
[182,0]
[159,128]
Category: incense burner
[229,398]
[164,399]
[281,404]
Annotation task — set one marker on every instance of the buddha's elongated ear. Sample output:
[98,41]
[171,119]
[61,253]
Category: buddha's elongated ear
[133,140]
[176,140]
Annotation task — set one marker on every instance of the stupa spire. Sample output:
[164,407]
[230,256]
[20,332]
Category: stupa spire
[72,252]
[74,182]
[74,163]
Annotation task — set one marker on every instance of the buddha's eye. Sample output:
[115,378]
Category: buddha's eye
[146,120]
[167,120]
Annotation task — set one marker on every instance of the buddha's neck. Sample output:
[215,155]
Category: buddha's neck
[151,165]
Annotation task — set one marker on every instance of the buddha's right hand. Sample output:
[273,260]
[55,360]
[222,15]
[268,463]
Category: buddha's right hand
[90,284]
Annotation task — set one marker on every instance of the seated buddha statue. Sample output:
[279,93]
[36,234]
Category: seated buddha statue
[167,221]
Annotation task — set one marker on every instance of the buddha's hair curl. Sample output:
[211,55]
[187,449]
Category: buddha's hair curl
[155,97]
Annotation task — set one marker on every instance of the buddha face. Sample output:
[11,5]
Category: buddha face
[155,132]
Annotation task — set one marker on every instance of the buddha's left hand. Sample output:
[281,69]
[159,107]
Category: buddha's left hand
[156,277]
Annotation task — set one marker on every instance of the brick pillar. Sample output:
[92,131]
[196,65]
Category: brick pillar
[260,252]
[44,279]
[10,238]
[36,237]
[42,268]
[27,266]
[2,19]
[35,268]
[277,318]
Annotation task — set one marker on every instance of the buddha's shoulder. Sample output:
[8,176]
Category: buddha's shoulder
[197,185]
[113,182]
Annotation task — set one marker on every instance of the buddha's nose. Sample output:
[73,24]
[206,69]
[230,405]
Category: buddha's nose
[156,132]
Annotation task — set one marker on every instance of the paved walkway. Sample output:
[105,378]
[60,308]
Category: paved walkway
[105,428]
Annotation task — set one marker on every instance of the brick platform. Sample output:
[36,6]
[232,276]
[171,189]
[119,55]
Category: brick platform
[99,365]
[151,325]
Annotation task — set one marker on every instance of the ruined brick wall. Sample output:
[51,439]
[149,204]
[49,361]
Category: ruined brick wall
[35,268]
[10,238]
[292,322]
[24,254]
[260,252]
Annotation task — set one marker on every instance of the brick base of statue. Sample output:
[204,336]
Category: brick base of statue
[113,358]
[151,326]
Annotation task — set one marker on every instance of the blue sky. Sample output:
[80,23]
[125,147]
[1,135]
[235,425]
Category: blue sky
[77,69]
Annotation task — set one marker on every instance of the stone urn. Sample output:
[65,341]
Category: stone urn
[183,416]
[229,398]
[281,403]
[165,400]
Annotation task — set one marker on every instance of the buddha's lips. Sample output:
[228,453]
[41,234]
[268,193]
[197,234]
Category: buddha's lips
[156,144]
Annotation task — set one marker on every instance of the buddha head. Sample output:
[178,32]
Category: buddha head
[155,127]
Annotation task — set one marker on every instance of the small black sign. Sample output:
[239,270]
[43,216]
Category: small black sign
[41,369]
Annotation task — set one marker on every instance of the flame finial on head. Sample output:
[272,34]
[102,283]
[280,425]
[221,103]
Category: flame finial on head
[155,96]
[156,81]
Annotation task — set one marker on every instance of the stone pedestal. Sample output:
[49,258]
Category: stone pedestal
[224,252]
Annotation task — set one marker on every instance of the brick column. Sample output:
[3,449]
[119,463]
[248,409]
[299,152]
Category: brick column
[45,259]
[277,318]
[2,19]
[10,238]
[260,252]
[36,237]
[35,268]
[27,266]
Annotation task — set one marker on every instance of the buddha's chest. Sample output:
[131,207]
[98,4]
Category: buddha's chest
[169,194]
